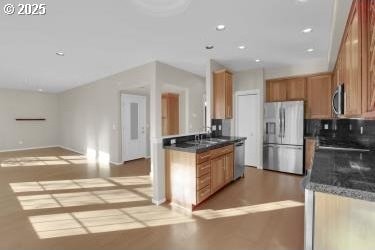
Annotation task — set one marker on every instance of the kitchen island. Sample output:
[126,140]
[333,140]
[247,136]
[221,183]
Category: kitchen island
[196,169]
[340,200]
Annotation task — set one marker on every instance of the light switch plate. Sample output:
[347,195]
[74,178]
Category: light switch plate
[219,127]
[326,126]
[213,127]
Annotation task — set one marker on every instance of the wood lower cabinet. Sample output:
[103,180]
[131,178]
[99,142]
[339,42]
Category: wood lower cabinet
[318,104]
[217,173]
[342,223]
[191,178]
[229,168]
[223,95]
[310,144]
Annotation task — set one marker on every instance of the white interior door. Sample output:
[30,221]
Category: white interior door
[133,109]
[247,125]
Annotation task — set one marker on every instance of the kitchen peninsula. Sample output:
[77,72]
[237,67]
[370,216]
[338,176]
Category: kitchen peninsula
[198,168]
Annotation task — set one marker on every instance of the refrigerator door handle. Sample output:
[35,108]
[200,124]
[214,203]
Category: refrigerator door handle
[280,123]
[283,122]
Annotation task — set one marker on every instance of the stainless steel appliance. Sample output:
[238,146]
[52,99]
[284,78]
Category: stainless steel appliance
[338,100]
[239,160]
[283,136]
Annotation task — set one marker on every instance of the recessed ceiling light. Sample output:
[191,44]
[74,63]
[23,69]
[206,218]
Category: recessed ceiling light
[257,60]
[302,1]
[242,47]
[310,50]
[209,47]
[40,90]
[220,27]
[60,53]
[307,30]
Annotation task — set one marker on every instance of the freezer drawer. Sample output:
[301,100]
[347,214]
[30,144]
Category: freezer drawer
[283,158]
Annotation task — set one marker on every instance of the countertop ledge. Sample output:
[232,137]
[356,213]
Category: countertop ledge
[184,147]
[344,173]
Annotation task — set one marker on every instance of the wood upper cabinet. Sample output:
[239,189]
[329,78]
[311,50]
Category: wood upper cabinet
[170,114]
[296,89]
[368,57]
[318,104]
[353,74]
[276,91]
[223,95]
[286,90]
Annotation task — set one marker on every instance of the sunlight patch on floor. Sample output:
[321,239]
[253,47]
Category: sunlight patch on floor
[99,221]
[60,185]
[132,180]
[210,214]
[44,201]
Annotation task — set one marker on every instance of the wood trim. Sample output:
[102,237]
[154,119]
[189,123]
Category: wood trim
[299,76]
[222,71]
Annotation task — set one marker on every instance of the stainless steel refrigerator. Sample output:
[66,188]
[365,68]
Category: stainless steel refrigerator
[283,136]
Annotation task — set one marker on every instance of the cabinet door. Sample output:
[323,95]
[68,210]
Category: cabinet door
[276,91]
[219,96]
[309,153]
[217,173]
[228,95]
[296,89]
[319,97]
[353,90]
[371,56]
[229,164]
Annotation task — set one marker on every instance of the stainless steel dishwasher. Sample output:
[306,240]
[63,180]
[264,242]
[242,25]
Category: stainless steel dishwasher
[239,160]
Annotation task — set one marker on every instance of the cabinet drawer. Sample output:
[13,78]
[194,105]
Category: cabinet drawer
[202,157]
[203,194]
[221,151]
[203,169]
[203,181]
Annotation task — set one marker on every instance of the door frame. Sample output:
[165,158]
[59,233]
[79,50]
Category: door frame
[259,135]
[123,96]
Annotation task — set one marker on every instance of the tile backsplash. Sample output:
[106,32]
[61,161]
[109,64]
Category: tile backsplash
[361,131]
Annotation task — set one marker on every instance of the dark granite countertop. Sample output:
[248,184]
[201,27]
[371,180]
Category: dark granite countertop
[345,173]
[185,147]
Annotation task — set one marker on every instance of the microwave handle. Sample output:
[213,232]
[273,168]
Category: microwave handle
[333,102]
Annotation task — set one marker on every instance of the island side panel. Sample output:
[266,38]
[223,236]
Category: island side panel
[343,223]
[181,178]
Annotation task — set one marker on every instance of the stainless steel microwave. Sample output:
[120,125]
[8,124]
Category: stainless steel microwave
[338,100]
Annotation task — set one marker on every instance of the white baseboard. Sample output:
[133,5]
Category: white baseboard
[31,148]
[159,202]
[70,149]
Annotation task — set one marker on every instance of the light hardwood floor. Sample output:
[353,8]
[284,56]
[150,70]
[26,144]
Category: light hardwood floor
[53,199]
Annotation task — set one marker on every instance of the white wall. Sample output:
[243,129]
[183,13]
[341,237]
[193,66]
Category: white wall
[91,116]
[251,80]
[26,104]
[309,67]
[194,88]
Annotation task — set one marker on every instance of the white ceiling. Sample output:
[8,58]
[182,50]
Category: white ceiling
[101,38]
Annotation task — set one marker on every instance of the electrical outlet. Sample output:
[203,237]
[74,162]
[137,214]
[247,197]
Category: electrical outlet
[173,141]
[20,142]
[326,127]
